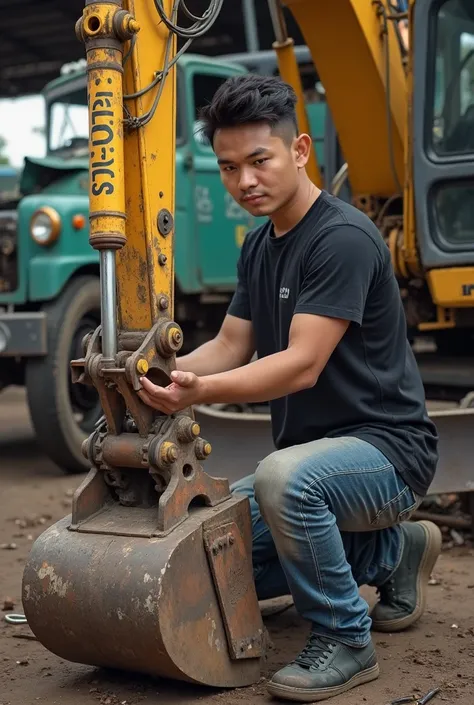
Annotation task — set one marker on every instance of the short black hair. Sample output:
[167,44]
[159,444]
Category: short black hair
[249,99]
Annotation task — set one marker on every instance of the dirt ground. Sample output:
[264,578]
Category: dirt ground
[437,652]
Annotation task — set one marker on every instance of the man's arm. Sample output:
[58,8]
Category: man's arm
[232,347]
[311,343]
[338,276]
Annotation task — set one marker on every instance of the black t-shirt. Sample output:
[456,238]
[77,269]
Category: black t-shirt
[335,263]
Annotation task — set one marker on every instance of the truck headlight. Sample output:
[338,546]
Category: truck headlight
[45,226]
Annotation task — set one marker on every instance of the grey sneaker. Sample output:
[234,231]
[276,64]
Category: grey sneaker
[323,669]
[403,596]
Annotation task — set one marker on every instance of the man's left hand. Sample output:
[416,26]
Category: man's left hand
[185,390]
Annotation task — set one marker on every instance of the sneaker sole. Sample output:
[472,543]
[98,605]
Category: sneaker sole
[311,695]
[428,560]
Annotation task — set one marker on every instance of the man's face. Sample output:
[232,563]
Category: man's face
[260,169]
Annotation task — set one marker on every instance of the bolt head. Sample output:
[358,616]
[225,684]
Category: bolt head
[175,335]
[168,452]
[142,367]
[172,453]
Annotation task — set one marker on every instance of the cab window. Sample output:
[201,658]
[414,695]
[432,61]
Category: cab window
[452,133]
[453,96]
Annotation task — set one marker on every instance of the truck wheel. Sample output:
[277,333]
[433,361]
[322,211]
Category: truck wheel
[63,413]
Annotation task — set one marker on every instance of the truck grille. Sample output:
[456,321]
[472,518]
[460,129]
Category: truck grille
[8,252]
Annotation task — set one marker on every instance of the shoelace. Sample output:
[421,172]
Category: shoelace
[386,590]
[315,653]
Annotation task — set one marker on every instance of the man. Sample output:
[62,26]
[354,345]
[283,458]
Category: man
[318,301]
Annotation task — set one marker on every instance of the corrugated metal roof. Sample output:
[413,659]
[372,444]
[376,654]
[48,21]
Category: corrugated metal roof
[37,37]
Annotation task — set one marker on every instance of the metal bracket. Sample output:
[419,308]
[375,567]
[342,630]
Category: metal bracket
[233,580]
[141,458]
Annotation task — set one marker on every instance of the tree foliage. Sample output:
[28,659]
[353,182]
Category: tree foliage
[3,157]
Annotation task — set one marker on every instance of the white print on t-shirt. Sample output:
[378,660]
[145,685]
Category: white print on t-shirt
[284,292]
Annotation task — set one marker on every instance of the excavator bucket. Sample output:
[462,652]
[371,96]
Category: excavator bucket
[152,572]
[107,592]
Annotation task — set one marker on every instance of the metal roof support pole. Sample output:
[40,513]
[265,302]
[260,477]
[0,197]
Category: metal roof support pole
[250,25]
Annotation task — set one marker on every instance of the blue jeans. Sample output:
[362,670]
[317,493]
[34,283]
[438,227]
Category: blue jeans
[326,519]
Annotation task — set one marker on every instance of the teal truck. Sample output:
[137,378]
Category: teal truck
[49,274]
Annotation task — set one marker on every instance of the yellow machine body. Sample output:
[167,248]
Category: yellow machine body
[344,40]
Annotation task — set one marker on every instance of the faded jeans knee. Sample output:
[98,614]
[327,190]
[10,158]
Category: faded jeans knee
[272,487]
[308,495]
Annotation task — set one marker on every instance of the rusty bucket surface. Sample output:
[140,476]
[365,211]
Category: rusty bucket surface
[181,605]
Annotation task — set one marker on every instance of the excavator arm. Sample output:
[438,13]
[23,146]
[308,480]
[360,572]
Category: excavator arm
[155,559]
[356,48]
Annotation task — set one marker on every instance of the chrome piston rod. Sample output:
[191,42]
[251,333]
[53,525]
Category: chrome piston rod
[108,298]
[278,21]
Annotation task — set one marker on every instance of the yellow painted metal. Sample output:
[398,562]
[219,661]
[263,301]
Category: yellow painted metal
[149,178]
[239,234]
[289,72]
[168,452]
[409,250]
[104,60]
[396,252]
[142,367]
[452,287]
[445,319]
[356,88]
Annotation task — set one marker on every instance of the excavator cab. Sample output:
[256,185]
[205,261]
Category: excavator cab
[443,150]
